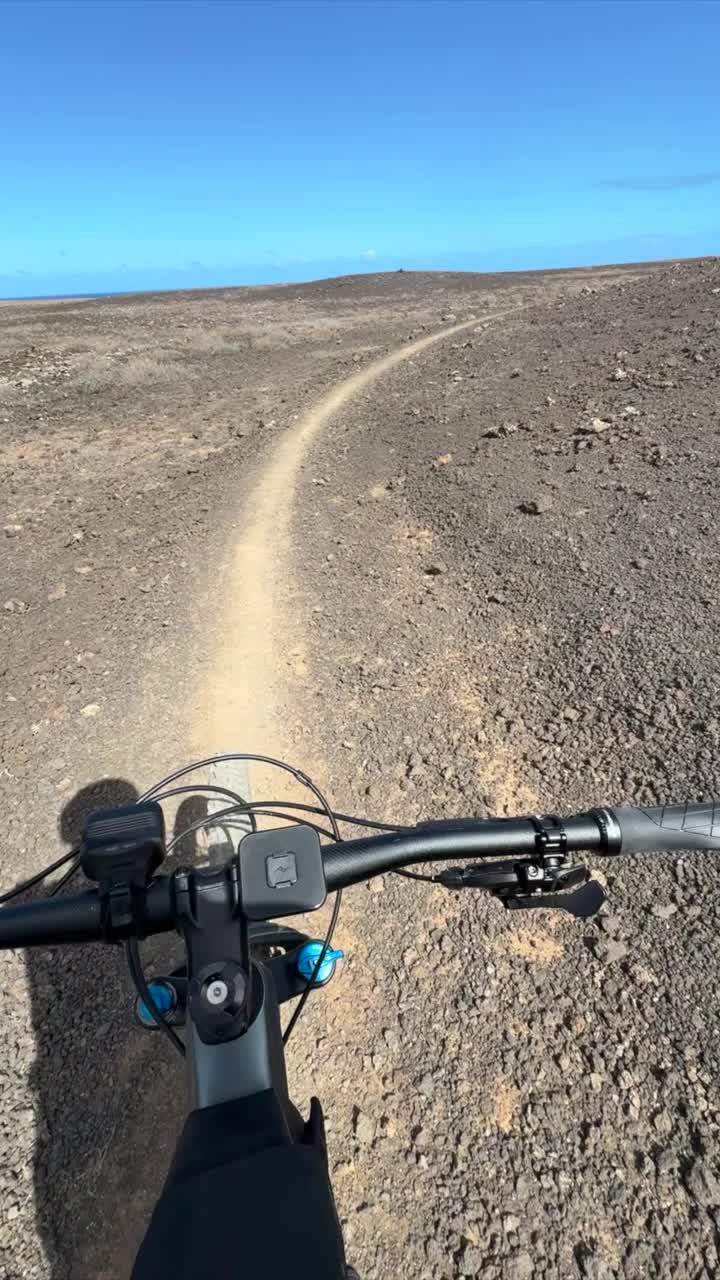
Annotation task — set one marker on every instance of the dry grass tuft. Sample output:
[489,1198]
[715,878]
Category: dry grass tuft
[94,372]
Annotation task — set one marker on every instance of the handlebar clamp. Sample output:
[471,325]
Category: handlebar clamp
[551,836]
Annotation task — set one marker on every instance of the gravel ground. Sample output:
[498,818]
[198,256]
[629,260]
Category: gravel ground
[515,581]
[503,561]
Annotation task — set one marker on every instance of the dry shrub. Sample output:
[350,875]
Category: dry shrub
[93,372]
[211,341]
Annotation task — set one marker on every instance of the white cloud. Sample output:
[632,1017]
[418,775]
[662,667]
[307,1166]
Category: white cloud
[369,254]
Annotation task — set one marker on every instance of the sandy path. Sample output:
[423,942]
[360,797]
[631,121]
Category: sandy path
[260,656]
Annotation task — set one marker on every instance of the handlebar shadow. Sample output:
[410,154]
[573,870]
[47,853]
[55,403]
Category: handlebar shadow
[109,1098]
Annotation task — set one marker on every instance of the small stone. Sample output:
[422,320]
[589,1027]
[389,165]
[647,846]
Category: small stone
[436,569]
[433,1251]
[595,428]
[427,1085]
[609,923]
[90,710]
[702,1184]
[619,375]
[520,1267]
[500,432]
[663,1124]
[364,1128]
[377,884]
[537,506]
[449,318]
[663,911]
[640,562]
[472,1261]
[570,713]
[522,1188]
[12,530]
[388,1127]
[614,950]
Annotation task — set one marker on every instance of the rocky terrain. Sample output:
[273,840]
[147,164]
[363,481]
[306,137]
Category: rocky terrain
[501,599]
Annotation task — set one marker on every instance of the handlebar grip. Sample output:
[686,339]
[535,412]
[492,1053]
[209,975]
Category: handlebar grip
[671,826]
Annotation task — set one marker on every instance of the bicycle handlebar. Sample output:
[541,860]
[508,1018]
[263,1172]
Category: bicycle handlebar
[356,860]
[605,831]
[54,921]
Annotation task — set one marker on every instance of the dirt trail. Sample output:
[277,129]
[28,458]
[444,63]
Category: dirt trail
[260,658]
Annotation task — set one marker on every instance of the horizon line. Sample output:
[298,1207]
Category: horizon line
[92,295]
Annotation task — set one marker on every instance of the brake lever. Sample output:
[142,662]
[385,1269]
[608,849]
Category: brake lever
[509,881]
[582,903]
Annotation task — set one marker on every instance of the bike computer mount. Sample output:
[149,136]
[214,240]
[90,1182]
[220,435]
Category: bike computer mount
[120,850]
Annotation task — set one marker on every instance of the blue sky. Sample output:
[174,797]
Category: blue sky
[150,145]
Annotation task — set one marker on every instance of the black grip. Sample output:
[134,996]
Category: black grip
[670,826]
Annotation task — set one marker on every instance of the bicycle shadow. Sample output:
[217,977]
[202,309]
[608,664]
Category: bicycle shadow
[110,1098]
